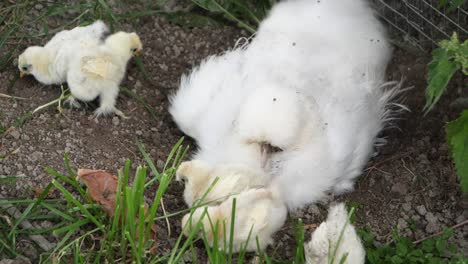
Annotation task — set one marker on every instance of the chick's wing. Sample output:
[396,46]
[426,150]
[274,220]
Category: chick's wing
[97,67]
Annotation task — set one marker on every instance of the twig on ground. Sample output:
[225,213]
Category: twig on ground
[441,232]
[377,164]
[167,219]
[12,97]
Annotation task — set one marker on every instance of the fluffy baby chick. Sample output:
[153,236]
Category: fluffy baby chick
[98,72]
[258,211]
[232,179]
[326,239]
[49,64]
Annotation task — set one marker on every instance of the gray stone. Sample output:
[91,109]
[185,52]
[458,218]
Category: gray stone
[15,134]
[160,164]
[406,207]
[421,209]
[115,121]
[400,188]
[432,223]
[36,155]
[402,224]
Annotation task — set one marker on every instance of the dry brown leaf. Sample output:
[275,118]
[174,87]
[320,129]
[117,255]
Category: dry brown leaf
[102,186]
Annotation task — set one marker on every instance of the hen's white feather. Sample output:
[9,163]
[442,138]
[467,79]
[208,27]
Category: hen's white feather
[208,98]
[324,62]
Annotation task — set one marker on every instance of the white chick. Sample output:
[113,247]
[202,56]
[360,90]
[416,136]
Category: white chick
[199,177]
[325,240]
[259,212]
[98,72]
[324,62]
[49,64]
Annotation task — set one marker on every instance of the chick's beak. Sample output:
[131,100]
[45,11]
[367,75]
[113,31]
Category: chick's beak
[137,53]
[22,74]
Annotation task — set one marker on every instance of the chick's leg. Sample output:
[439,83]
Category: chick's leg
[108,100]
[72,102]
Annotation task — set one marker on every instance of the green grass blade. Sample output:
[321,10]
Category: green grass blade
[231,234]
[72,227]
[30,207]
[149,162]
[69,197]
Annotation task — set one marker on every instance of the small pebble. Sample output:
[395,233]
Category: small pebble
[421,209]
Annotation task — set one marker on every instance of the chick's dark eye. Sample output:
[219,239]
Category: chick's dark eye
[24,68]
[134,49]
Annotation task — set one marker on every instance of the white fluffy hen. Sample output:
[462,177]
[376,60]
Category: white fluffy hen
[310,86]
[199,177]
[99,71]
[326,246]
[259,212]
[49,64]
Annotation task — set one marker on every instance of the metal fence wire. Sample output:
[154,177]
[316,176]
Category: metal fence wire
[423,23]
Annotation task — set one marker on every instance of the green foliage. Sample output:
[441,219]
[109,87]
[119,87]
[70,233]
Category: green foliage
[452,4]
[77,219]
[446,60]
[440,71]
[458,51]
[451,56]
[457,137]
[403,251]
[247,14]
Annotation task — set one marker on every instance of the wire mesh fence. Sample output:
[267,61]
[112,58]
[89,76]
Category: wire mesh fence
[423,23]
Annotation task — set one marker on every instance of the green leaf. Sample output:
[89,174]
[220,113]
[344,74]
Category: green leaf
[442,3]
[457,137]
[440,71]
[401,250]
[454,4]
[440,245]
[428,245]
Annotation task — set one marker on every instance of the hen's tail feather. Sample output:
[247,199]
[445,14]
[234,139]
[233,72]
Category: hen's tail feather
[392,102]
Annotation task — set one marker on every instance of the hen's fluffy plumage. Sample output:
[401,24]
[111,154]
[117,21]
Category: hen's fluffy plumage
[326,239]
[49,64]
[99,71]
[310,83]
[258,211]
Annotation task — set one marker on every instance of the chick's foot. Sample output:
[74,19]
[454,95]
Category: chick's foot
[72,102]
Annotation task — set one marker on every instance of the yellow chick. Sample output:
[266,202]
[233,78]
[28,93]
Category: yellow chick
[258,212]
[98,72]
[198,177]
[49,64]
[326,240]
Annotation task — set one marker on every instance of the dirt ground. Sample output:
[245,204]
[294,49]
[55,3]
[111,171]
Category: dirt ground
[410,180]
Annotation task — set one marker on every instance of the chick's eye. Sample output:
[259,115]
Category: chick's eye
[24,68]
[134,49]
